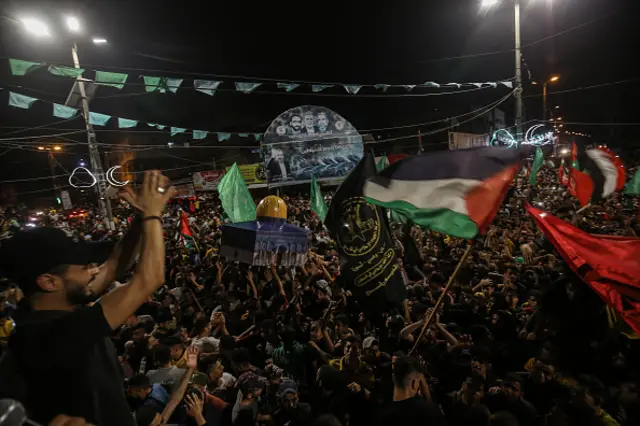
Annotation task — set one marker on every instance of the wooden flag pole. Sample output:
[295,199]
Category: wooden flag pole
[583,208]
[441,298]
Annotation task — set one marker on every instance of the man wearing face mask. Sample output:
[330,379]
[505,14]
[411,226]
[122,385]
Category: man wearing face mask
[410,406]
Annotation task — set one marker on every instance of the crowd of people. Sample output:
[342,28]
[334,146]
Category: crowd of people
[203,340]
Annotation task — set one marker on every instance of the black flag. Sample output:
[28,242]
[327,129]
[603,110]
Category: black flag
[362,235]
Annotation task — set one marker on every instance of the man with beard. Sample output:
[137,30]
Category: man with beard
[61,354]
[295,123]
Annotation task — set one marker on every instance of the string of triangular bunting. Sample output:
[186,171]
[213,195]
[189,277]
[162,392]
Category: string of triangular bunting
[21,101]
[160,84]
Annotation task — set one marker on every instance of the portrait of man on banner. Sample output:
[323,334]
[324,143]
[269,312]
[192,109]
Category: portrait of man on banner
[278,166]
[310,141]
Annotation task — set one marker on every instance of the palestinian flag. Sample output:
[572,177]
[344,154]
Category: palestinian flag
[603,174]
[453,192]
[185,233]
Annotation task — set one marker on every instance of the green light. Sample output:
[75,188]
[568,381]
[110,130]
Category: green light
[58,200]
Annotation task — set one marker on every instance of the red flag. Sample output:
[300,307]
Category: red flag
[610,265]
[562,175]
[185,228]
[574,153]
[580,186]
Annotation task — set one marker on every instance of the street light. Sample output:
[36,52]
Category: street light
[552,79]
[36,27]
[518,62]
[73,24]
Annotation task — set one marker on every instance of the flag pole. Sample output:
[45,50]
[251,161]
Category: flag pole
[441,298]
[583,208]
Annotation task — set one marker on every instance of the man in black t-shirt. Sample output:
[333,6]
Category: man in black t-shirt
[408,408]
[60,353]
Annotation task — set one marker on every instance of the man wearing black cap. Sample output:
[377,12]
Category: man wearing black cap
[61,349]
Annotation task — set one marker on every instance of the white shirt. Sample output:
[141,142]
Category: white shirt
[198,341]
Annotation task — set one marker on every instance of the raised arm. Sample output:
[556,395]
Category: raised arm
[178,394]
[121,303]
[120,260]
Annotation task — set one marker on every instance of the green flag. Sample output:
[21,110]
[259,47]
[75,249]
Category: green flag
[397,217]
[537,164]
[113,79]
[382,163]
[20,67]
[318,206]
[65,71]
[235,197]
[633,187]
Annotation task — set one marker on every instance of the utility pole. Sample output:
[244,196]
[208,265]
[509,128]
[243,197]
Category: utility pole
[94,155]
[518,74]
[544,101]
[52,167]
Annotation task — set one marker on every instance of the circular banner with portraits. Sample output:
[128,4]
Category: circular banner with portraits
[308,141]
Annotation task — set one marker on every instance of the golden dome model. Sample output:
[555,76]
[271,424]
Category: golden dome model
[272,206]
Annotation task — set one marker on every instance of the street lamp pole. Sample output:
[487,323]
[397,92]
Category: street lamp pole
[518,59]
[544,101]
[94,155]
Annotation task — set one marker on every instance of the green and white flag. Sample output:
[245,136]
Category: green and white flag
[537,165]
[633,187]
[235,197]
[318,206]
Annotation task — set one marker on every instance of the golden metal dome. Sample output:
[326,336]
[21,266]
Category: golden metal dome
[272,206]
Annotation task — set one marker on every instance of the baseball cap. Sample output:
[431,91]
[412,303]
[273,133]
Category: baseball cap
[43,249]
[287,386]
[369,341]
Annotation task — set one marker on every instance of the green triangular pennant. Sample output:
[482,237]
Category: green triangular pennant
[113,79]
[20,67]
[66,71]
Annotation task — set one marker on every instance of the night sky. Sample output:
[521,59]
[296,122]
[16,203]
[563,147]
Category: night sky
[356,42]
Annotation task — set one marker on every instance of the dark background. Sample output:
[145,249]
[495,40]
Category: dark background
[357,42]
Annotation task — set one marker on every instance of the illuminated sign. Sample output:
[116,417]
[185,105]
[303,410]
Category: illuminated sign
[108,176]
[536,135]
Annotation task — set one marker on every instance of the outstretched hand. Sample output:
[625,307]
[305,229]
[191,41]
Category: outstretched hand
[152,196]
[192,357]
